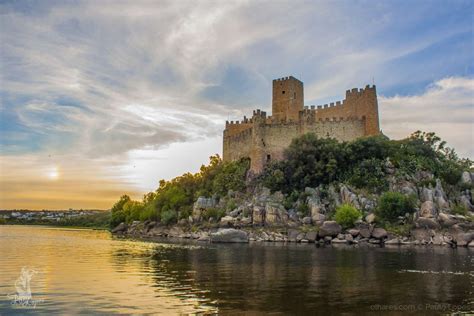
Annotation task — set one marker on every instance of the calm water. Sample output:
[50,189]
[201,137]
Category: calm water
[89,272]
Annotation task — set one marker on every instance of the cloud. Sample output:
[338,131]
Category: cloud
[446,107]
[107,85]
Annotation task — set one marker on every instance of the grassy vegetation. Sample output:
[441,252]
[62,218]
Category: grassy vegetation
[392,205]
[460,210]
[174,199]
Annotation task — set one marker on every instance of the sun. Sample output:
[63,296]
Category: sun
[53,173]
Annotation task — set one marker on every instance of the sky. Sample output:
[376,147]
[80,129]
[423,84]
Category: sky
[103,98]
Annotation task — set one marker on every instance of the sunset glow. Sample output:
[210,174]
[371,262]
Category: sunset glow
[96,103]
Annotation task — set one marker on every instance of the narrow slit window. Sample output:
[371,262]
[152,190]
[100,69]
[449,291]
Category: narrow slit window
[283,92]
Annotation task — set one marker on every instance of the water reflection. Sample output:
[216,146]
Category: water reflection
[90,272]
[303,278]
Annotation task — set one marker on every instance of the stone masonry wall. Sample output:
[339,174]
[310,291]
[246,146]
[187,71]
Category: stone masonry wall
[270,140]
[263,138]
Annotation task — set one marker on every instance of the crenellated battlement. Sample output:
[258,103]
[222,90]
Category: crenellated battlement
[262,137]
[259,113]
[355,92]
[286,78]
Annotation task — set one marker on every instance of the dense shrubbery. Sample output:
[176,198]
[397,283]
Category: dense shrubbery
[311,161]
[174,199]
[393,204]
[346,215]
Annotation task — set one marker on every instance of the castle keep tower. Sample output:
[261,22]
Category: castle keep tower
[264,138]
[287,99]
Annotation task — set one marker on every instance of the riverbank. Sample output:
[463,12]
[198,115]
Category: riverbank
[329,233]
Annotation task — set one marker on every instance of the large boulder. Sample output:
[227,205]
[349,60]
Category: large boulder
[275,214]
[202,204]
[306,220]
[176,232]
[311,236]
[446,220]
[379,233]
[157,231]
[463,239]
[329,228]
[429,223]
[120,228]
[229,235]
[227,221]
[427,209]
[422,235]
[354,232]
[365,232]
[258,215]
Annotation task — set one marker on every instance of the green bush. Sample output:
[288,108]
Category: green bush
[168,217]
[393,204]
[346,215]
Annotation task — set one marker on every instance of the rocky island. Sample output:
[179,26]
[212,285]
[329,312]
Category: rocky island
[380,201]
[317,174]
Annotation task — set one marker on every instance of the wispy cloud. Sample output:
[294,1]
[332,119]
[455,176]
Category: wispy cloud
[113,81]
[446,107]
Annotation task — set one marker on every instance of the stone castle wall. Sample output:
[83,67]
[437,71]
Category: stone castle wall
[263,138]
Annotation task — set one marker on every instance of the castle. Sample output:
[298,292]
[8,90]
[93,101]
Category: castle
[263,138]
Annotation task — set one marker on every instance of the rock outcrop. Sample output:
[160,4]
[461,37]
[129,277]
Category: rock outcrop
[229,235]
[329,228]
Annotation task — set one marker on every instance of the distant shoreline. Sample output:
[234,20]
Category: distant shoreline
[83,219]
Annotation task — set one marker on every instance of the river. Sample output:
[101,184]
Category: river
[79,271]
